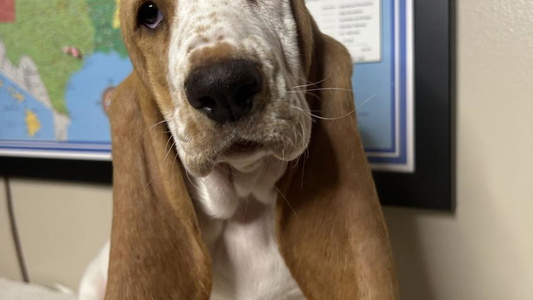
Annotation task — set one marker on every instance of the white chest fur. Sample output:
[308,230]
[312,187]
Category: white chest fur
[236,208]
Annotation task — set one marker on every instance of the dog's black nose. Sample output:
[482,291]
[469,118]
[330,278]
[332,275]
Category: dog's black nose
[224,91]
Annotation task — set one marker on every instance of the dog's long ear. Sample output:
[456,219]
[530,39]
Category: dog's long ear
[330,225]
[156,248]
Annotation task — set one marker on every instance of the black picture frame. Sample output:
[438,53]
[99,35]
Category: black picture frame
[90,171]
[431,186]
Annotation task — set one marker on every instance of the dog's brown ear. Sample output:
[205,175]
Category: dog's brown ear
[156,248]
[330,225]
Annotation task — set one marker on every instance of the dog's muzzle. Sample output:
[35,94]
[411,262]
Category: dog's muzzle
[224,91]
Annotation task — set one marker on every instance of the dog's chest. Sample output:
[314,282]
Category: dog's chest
[237,216]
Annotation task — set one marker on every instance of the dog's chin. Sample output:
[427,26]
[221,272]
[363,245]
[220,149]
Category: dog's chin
[242,156]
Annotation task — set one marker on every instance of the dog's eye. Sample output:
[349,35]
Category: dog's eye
[149,15]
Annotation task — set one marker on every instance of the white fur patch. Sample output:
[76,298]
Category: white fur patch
[247,264]
[235,205]
[94,280]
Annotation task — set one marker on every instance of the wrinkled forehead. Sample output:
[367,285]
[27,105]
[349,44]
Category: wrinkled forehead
[270,6]
[184,9]
[193,21]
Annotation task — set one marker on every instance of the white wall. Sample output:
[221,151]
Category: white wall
[62,226]
[9,266]
[483,252]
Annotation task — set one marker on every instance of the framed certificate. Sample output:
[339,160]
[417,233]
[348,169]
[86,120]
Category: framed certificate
[402,83]
[379,36]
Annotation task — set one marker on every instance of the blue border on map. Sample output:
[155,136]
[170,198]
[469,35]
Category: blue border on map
[402,155]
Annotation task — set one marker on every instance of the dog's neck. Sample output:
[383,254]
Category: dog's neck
[236,206]
[235,182]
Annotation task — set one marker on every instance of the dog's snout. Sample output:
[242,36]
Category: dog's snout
[224,91]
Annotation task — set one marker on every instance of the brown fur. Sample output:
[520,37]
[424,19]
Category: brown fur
[156,248]
[332,235]
[330,226]
[213,55]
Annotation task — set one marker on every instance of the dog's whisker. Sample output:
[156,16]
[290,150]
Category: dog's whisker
[154,125]
[304,156]
[166,145]
[287,201]
[311,94]
[303,167]
[245,209]
[302,139]
[307,79]
[311,83]
[366,101]
[305,93]
[169,150]
[311,115]
[302,134]
[149,183]
[158,123]
[304,113]
[322,89]
[191,181]
[175,158]
[297,161]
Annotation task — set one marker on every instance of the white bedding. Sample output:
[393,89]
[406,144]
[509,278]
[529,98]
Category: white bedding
[16,290]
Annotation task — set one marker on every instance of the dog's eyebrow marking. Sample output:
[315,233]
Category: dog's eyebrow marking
[211,54]
[213,16]
[203,28]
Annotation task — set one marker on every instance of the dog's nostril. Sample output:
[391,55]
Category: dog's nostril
[206,104]
[245,93]
[224,91]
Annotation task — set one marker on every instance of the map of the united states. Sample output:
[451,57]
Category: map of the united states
[59,63]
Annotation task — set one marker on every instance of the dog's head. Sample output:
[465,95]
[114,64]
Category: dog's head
[227,76]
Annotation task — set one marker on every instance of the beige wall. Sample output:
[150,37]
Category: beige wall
[483,252]
[9,266]
[61,225]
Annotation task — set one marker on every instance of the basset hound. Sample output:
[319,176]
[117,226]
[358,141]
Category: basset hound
[239,171]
